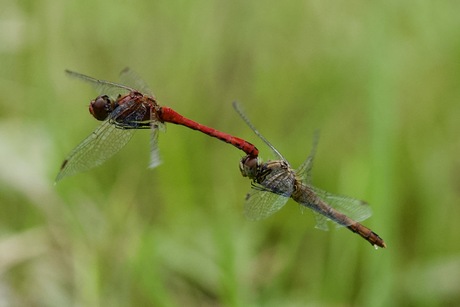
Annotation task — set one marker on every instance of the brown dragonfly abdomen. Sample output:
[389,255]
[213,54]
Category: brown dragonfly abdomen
[367,234]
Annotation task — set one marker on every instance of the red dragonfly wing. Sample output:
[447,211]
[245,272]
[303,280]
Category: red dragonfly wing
[103,87]
[104,142]
[155,159]
[132,79]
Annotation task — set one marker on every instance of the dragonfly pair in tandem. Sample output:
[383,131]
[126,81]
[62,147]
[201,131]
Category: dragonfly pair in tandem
[124,109]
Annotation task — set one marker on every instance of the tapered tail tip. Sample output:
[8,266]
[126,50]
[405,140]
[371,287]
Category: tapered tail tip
[382,246]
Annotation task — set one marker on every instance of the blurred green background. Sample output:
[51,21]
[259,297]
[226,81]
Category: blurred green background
[381,81]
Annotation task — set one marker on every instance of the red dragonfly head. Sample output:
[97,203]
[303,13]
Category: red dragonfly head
[101,107]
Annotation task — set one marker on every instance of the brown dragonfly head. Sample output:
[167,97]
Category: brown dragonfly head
[249,166]
[101,107]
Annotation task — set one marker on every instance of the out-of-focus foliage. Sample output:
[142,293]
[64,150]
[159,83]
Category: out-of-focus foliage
[380,80]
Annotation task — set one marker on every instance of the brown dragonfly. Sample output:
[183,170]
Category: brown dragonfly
[274,182]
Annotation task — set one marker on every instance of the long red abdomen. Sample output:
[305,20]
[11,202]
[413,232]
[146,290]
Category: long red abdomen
[170,116]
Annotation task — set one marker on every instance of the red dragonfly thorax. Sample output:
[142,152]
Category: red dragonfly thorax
[103,105]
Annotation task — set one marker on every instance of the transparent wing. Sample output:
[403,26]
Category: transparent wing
[240,112]
[355,209]
[304,171]
[155,159]
[270,195]
[132,79]
[103,87]
[103,143]
[321,221]
[260,204]
[155,127]
[99,146]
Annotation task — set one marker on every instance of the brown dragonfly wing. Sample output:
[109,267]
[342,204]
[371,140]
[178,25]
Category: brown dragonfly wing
[260,204]
[355,209]
[103,143]
[304,172]
[269,196]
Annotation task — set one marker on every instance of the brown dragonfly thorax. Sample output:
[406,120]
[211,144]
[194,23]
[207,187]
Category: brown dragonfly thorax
[262,173]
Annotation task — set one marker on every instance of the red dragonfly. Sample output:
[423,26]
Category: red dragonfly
[274,182]
[124,109]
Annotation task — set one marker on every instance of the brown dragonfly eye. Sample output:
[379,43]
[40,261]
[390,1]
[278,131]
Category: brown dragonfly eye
[249,166]
[101,107]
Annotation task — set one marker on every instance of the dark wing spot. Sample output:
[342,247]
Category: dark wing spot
[64,163]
